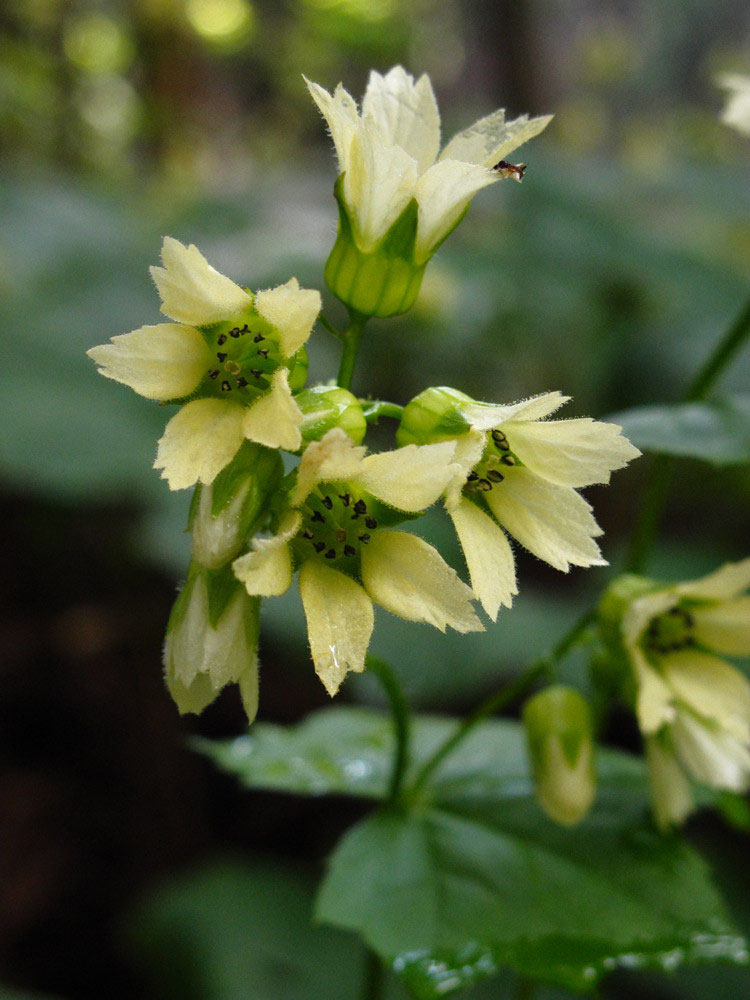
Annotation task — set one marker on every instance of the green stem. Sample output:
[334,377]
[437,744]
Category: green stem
[502,698]
[401,723]
[330,327]
[656,489]
[374,409]
[351,337]
[373,985]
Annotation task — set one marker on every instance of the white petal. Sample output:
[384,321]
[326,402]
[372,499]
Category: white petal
[192,697]
[410,478]
[340,112]
[410,579]
[443,193]
[192,291]
[654,699]
[292,310]
[492,138]
[216,537]
[405,113]
[378,186]
[339,622]
[711,687]
[671,796]
[486,416]
[274,419]
[200,439]
[165,361]
[712,755]
[335,458]
[552,522]
[570,452]
[737,110]
[469,448]
[723,584]
[488,556]
[724,627]
[266,570]
[639,613]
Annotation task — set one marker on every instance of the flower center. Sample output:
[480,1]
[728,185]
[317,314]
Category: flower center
[337,523]
[246,356]
[670,632]
[492,468]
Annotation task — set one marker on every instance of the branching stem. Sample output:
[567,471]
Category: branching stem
[351,338]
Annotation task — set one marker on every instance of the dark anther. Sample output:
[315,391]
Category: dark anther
[327,502]
[472,477]
[258,337]
[226,387]
[360,507]
[349,550]
[235,333]
[331,554]
[221,355]
[214,373]
[222,340]
[242,381]
[494,476]
[317,516]
[345,499]
[500,439]
[256,372]
[484,484]
[371,522]
[307,533]
[263,351]
[364,539]
[319,546]
[508,460]
[341,535]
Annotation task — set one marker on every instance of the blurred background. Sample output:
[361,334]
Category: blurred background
[128,867]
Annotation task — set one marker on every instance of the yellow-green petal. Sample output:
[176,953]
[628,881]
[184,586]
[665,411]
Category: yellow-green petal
[488,556]
[711,687]
[266,570]
[274,419]
[199,440]
[724,627]
[410,478]
[192,291]
[292,310]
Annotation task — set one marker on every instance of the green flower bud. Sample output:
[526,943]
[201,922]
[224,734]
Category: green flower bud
[211,641]
[434,415]
[384,281]
[224,513]
[559,734]
[298,370]
[325,407]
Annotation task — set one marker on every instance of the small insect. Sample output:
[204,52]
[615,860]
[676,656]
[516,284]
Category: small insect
[506,170]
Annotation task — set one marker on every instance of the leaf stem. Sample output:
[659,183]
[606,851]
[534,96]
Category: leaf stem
[401,716]
[504,697]
[351,337]
[330,327]
[374,409]
[658,480]
[373,983]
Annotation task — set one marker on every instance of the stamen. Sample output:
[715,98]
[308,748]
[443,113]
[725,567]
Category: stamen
[317,516]
[349,550]
[307,533]
[256,372]
[258,337]
[508,460]
[235,333]
[484,484]
[214,373]
[242,382]
[319,546]
[345,499]
[222,340]
[371,522]
[263,351]
[364,539]
[222,356]
[360,507]
[327,502]
[472,477]
[494,476]
[331,554]
[226,387]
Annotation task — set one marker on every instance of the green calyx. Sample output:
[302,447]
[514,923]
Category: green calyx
[382,282]
[325,407]
[434,415]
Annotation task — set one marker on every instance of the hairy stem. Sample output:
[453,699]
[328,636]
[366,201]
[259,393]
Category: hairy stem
[656,488]
[351,337]
[401,716]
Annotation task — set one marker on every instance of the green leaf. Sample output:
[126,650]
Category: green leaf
[474,877]
[717,432]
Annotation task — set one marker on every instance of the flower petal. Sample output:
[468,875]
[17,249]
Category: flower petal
[443,194]
[340,112]
[654,701]
[722,585]
[165,361]
[671,796]
[199,440]
[266,570]
[712,755]
[405,113]
[711,688]
[469,448]
[486,416]
[552,522]
[492,138]
[410,478]
[410,579]
[488,556]
[639,613]
[292,310]
[570,452]
[378,185]
[340,620]
[194,292]
[335,458]
[274,419]
[724,627]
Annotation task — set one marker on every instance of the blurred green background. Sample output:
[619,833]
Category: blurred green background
[129,868]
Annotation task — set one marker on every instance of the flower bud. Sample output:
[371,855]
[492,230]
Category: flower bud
[434,415]
[223,513]
[561,747]
[325,407]
[381,282]
[211,641]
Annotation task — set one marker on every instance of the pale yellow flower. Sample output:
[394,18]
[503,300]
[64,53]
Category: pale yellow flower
[337,532]
[389,153]
[737,110]
[227,359]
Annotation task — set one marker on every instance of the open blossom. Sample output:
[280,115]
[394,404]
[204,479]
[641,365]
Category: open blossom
[228,358]
[389,153]
[737,110]
[518,473]
[338,531]
[693,707]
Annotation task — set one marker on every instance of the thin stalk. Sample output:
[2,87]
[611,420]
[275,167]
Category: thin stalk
[374,409]
[656,488]
[330,327]
[401,717]
[351,338]
[502,698]
[373,982]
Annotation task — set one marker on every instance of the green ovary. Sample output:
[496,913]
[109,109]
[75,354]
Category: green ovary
[246,354]
[337,523]
[670,632]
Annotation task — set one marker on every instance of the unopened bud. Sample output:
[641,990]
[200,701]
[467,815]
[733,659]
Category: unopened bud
[434,415]
[559,734]
[223,513]
[325,407]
